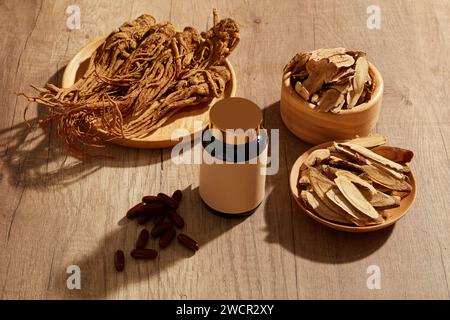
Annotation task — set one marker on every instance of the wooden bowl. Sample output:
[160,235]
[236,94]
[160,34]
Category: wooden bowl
[193,119]
[393,214]
[317,127]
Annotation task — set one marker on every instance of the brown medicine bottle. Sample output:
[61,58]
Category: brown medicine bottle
[234,156]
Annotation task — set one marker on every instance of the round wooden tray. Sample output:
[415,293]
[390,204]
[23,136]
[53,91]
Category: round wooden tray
[194,119]
[394,214]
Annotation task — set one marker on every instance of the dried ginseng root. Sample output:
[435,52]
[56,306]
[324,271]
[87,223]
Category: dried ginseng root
[352,182]
[141,75]
[331,80]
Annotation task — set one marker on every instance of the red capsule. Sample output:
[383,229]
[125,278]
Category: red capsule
[177,195]
[177,220]
[149,210]
[168,201]
[134,212]
[142,239]
[150,199]
[167,238]
[144,253]
[159,218]
[188,242]
[161,229]
[152,208]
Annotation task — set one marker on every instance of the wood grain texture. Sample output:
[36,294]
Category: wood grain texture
[57,210]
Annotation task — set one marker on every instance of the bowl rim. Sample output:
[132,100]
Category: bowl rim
[377,95]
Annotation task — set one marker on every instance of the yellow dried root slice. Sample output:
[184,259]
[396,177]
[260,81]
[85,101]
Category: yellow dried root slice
[401,194]
[354,156]
[320,72]
[370,141]
[367,153]
[340,163]
[313,202]
[342,60]
[382,177]
[358,181]
[328,171]
[303,180]
[316,157]
[320,54]
[356,198]
[361,77]
[336,197]
[343,76]
[301,90]
[298,62]
[375,197]
[332,98]
[395,154]
[382,200]
[392,172]
[321,185]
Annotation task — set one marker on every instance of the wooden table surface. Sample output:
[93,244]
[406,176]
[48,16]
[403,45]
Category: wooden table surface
[58,211]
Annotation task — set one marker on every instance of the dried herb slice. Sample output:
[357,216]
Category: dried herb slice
[313,202]
[395,154]
[321,184]
[356,198]
[316,157]
[370,141]
[385,179]
[344,164]
[336,197]
[382,200]
[342,60]
[301,90]
[320,54]
[367,153]
[358,181]
[361,77]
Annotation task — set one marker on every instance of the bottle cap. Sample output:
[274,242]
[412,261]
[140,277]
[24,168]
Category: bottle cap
[235,120]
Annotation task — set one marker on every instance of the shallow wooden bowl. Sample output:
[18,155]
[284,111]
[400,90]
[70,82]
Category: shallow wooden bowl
[194,119]
[317,127]
[393,214]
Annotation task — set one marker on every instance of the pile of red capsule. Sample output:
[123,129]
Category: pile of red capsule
[162,210]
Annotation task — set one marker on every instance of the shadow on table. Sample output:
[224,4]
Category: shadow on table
[100,278]
[36,157]
[293,229]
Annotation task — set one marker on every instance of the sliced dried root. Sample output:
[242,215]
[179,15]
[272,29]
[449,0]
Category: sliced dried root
[321,185]
[336,197]
[314,203]
[385,179]
[398,155]
[358,181]
[367,153]
[383,200]
[356,198]
[370,141]
[316,157]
